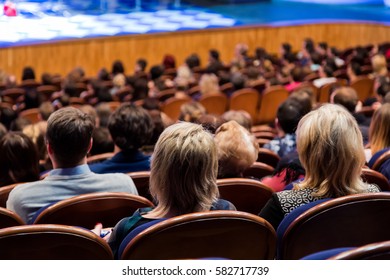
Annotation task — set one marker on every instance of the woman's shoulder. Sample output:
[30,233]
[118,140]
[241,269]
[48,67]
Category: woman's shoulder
[295,194]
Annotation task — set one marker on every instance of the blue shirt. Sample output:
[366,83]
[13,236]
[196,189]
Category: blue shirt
[282,146]
[123,162]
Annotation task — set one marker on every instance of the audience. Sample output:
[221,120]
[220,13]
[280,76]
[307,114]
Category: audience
[330,148]
[68,140]
[183,179]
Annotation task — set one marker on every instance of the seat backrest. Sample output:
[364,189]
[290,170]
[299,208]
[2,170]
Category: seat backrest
[268,157]
[222,234]
[380,160]
[246,99]
[374,177]
[171,107]
[259,170]
[99,157]
[270,101]
[4,193]
[247,195]
[141,181]
[89,209]
[13,95]
[46,91]
[31,114]
[373,251]
[52,242]
[348,221]
[214,103]
[323,95]
[364,87]
[9,218]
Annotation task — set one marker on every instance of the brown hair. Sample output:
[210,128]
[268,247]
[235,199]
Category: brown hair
[69,133]
[19,160]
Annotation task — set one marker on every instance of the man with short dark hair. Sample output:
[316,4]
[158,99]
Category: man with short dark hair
[288,116]
[131,127]
[68,141]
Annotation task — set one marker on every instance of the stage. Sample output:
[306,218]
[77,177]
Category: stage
[40,22]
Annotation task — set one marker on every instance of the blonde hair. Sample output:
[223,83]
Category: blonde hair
[192,111]
[379,64]
[379,133]
[184,170]
[330,148]
[119,80]
[237,149]
[208,83]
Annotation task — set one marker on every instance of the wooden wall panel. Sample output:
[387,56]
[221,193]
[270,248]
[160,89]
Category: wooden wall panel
[92,54]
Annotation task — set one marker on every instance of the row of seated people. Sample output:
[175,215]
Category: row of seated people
[313,63]
[180,161]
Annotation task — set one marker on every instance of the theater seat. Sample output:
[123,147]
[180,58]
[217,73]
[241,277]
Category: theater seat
[52,242]
[214,234]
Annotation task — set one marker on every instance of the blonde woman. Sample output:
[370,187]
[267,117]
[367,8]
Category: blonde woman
[379,137]
[208,84]
[183,179]
[237,149]
[330,148]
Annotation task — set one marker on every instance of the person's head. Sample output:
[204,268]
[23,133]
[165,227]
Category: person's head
[103,75]
[184,170]
[130,127]
[117,67]
[304,98]
[330,148]
[237,149]
[19,161]
[46,79]
[379,132]
[119,80]
[208,83]
[103,111]
[169,61]
[308,45]
[354,68]
[288,115]
[156,71]
[297,74]
[91,111]
[240,116]
[210,122]
[102,142]
[213,55]
[141,65]
[69,137]
[45,110]
[285,48]
[28,73]
[193,61]
[238,80]
[346,97]
[379,64]
[192,111]
[382,87]
[326,71]
[19,124]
